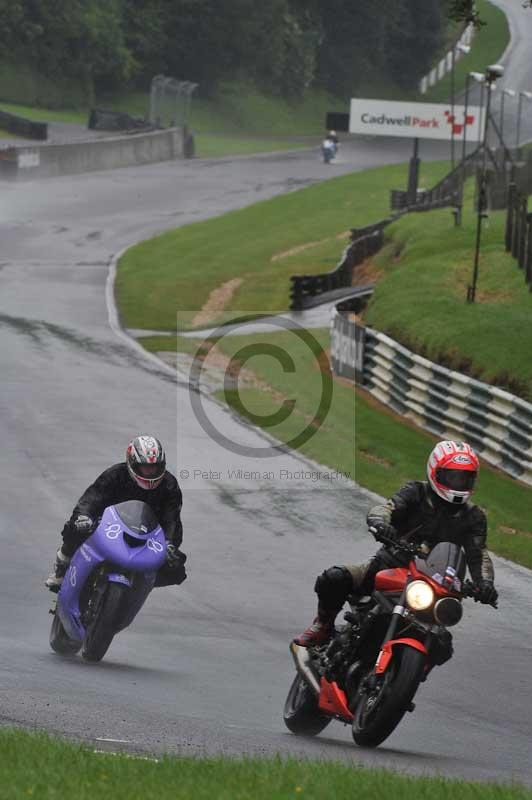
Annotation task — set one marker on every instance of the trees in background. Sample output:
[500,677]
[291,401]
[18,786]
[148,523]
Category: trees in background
[283,46]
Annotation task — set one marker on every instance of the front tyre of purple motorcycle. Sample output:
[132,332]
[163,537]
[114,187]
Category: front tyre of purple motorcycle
[105,624]
[60,642]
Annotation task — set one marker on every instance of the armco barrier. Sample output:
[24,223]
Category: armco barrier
[21,126]
[101,119]
[51,160]
[445,65]
[366,242]
[445,402]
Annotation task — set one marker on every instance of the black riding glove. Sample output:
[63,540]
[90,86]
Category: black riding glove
[485,592]
[382,530]
[173,572]
[83,524]
[174,557]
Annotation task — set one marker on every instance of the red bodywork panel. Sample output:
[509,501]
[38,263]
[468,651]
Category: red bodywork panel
[332,700]
[385,655]
[391,580]
[394,580]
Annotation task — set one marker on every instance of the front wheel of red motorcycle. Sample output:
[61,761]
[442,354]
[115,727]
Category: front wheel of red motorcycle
[301,714]
[379,710]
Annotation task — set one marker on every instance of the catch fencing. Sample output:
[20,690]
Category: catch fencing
[451,405]
[170,102]
[518,236]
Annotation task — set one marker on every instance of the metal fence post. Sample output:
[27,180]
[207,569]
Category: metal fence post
[528,256]
[510,217]
[516,225]
[523,213]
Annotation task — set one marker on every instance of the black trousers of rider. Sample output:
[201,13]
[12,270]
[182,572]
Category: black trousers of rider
[336,584]
[166,576]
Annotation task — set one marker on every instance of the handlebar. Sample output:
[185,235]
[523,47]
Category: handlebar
[411,549]
[470,590]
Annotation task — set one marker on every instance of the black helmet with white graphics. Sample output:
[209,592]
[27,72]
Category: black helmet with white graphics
[146,461]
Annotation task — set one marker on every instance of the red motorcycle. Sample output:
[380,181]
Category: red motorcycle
[368,674]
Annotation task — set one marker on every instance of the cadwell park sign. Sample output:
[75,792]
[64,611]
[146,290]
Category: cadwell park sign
[414,120]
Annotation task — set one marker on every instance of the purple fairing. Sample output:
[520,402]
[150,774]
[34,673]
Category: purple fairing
[109,543]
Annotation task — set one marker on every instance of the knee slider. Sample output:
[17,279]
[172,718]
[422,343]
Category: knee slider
[334,585]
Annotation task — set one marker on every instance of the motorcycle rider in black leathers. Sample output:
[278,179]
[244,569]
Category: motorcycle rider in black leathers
[437,510]
[143,476]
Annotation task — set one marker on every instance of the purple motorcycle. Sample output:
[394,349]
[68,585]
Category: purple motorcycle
[108,580]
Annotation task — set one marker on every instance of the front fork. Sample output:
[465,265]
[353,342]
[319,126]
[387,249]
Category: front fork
[389,641]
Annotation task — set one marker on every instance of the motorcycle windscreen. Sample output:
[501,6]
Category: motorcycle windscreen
[137,516]
[445,564]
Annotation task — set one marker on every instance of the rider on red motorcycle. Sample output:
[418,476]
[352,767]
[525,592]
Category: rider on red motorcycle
[437,510]
[143,476]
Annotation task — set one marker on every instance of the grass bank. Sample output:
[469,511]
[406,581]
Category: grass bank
[262,245]
[489,44]
[428,265]
[358,435]
[44,768]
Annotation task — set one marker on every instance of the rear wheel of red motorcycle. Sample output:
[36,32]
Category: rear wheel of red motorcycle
[301,713]
[378,712]
[101,630]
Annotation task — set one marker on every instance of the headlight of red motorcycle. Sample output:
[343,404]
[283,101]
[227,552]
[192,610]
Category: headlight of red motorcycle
[448,611]
[419,595]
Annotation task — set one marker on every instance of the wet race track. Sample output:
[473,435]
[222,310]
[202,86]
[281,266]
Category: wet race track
[205,668]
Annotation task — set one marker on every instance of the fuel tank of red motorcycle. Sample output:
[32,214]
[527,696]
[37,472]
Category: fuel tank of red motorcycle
[391,580]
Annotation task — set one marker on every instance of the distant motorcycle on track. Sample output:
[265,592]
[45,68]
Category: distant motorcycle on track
[108,580]
[329,148]
[368,674]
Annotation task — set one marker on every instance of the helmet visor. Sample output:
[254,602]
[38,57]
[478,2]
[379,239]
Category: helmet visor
[149,471]
[460,480]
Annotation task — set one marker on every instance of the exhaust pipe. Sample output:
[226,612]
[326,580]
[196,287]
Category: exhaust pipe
[304,667]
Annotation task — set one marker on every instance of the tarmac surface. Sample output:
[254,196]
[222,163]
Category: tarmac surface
[205,667]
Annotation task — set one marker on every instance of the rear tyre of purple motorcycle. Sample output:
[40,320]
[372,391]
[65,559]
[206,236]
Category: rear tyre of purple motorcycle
[60,642]
[101,630]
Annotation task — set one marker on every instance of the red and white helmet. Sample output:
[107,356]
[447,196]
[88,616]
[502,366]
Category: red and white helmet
[452,470]
[146,461]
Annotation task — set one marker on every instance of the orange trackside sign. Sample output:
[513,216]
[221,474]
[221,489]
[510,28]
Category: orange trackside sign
[421,120]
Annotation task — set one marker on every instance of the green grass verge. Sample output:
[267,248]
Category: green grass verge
[357,436]
[218,146]
[207,146]
[174,273]
[489,43]
[45,114]
[44,768]
[428,265]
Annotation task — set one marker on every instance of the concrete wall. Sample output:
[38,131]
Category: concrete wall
[52,160]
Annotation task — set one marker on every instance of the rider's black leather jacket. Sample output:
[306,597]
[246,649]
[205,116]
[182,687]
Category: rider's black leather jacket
[420,515]
[116,486]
